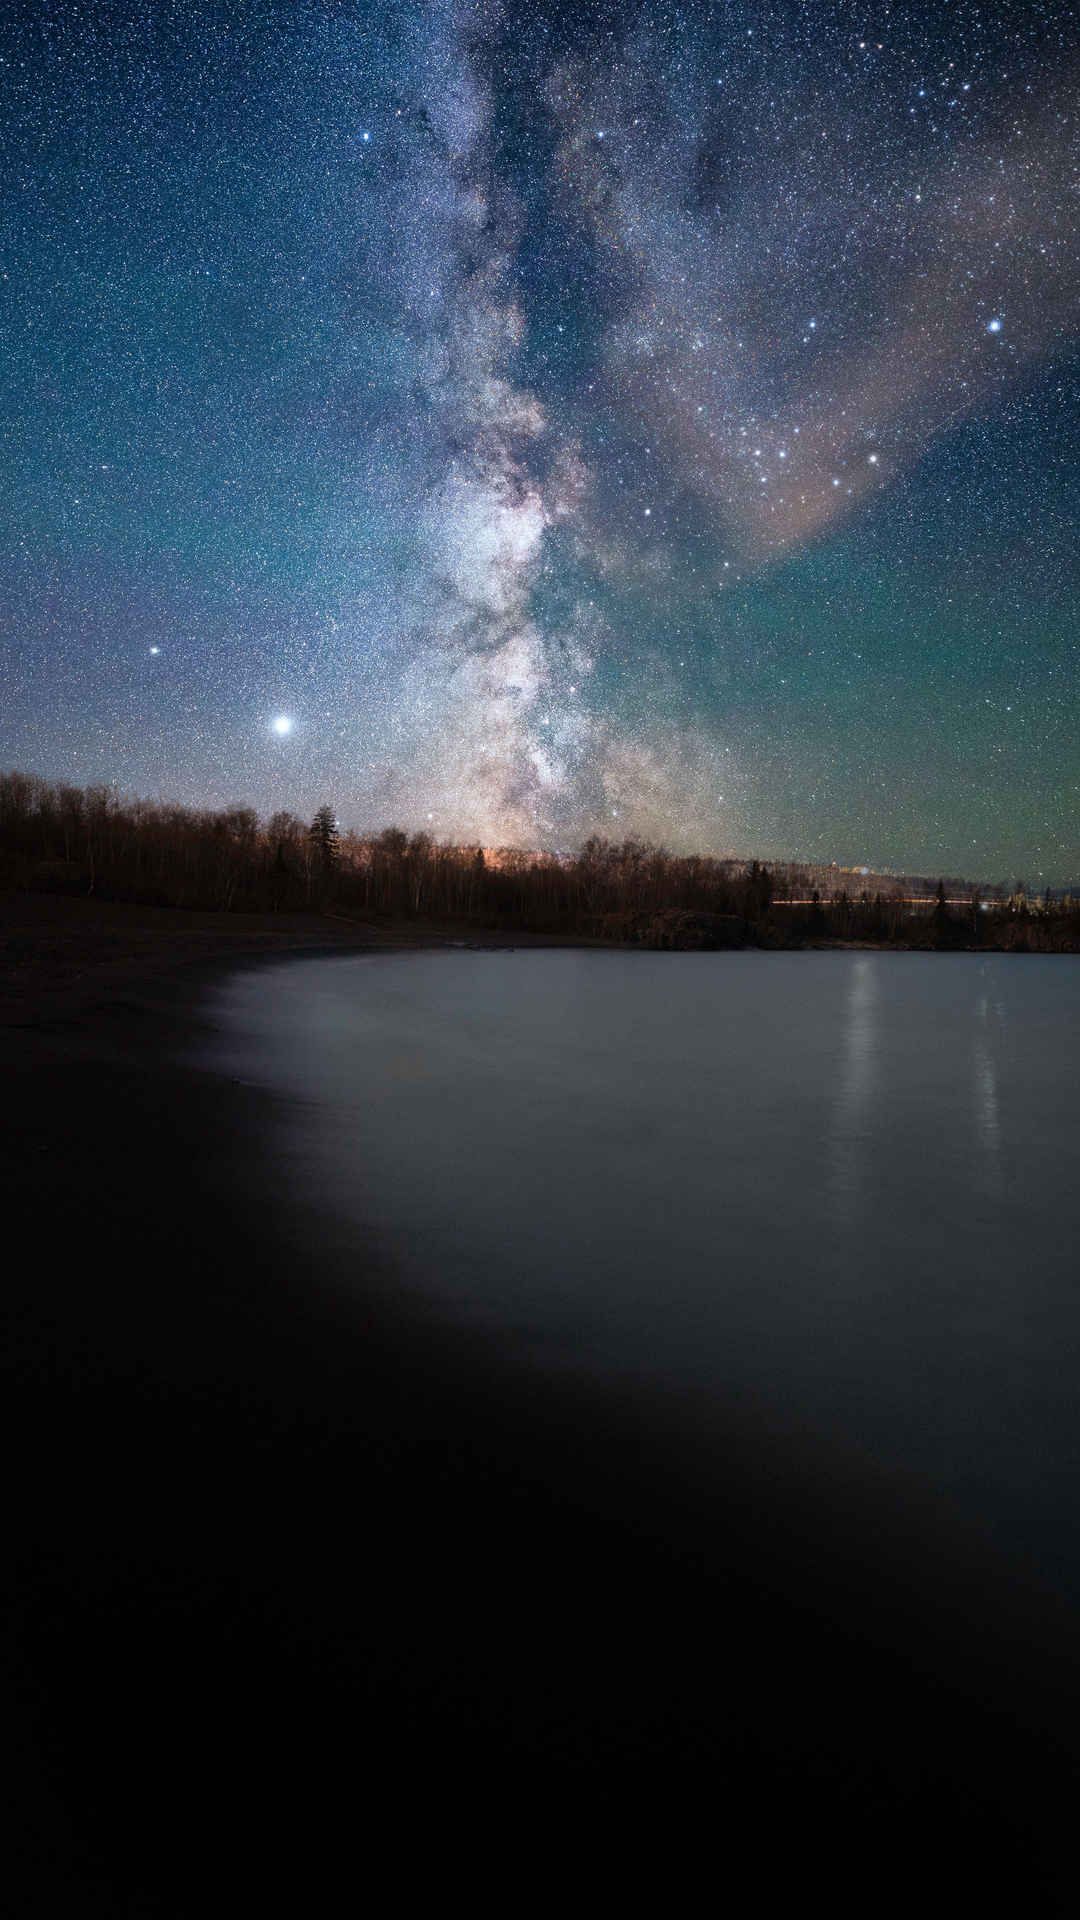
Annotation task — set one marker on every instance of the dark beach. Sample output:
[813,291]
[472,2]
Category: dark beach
[312,1587]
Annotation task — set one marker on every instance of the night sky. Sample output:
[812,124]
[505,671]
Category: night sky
[523,421]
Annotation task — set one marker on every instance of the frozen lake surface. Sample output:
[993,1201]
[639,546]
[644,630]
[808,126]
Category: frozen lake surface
[838,1189]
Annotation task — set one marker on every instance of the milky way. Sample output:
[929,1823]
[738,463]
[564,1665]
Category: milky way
[522,422]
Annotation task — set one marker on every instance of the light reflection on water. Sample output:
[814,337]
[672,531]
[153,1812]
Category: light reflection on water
[855,1095]
[842,1186]
[987,1118]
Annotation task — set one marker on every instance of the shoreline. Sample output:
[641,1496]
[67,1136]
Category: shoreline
[275,1523]
[62,955]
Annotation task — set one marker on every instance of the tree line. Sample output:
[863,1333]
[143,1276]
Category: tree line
[92,840]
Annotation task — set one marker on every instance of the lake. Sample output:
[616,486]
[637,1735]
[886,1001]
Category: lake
[838,1190]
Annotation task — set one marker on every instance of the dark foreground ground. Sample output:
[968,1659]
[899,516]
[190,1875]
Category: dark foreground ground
[312,1592]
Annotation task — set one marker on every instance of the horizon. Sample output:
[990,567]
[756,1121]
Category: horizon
[528,424]
[728,856]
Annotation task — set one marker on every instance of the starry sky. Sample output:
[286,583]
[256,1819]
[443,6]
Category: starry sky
[523,421]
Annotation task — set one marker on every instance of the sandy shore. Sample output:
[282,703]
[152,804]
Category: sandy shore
[309,1584]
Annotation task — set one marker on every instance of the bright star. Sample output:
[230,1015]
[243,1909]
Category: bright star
[283,724]
[993,326]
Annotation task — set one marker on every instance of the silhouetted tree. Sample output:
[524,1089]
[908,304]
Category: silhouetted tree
[61,839]
[325,840]
[758,893]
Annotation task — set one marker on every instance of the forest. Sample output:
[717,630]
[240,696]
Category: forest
[66,839]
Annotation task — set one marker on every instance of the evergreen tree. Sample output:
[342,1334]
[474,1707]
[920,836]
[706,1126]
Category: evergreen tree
[325,844]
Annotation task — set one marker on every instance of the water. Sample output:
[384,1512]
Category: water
[840,1189]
